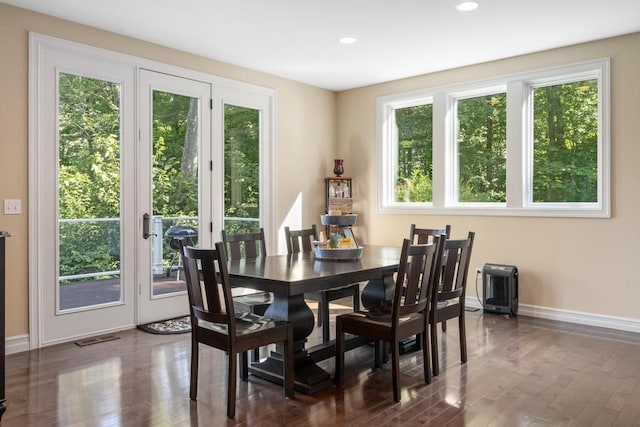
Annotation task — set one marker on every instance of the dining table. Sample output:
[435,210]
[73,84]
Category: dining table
[289,277]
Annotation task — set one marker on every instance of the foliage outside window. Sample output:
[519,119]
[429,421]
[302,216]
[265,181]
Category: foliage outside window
[482,146]
[415,148]
[241,169]
[89,170]
[565,142]
[175,155]
[535,143]
[88,175]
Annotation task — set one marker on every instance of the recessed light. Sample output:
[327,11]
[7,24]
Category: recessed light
[466,6]
[348,40]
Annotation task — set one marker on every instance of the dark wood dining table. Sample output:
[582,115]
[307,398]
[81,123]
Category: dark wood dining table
[289,277]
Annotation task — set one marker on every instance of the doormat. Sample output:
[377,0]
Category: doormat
[179,325]
[96,340]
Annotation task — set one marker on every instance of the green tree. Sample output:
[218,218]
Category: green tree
[89,168]
[482,145]
[175,177]
[241,167]
[415,153]
[89,174]
[566,142]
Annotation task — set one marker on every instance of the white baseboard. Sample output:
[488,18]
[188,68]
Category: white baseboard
[16,344]
[570,316]
[20,343]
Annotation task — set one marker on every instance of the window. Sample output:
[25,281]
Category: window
[534,144]
[414,149]
[565,142]
[481,136]
[409,170]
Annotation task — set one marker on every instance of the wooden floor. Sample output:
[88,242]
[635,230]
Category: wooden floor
[521,371]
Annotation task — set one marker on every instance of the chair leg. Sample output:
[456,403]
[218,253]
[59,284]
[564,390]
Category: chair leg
[289,385]
[324,310]
[426,360]
[435,366]
[339,376]
[418,344]
[244,366]
[395,370]
[356,298]
[255,353]
[463,338]
[193,391]
[321,305]
[231,384]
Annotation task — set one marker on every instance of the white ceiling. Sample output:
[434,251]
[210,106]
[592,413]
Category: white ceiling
[298,39]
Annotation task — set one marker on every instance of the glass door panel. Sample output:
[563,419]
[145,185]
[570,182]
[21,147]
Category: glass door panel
[241,169]
[88,193]
[175,127]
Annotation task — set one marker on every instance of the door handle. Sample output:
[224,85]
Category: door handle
[145,226]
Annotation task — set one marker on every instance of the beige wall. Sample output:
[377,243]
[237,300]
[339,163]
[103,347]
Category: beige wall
[586,265]
[305,132]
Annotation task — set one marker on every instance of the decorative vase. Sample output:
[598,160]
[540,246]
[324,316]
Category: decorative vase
[338,168]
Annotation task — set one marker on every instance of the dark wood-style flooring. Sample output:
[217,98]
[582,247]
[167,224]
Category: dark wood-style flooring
[521,372]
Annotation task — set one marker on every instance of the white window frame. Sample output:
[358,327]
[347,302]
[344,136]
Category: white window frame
[519,180]
[452,165]
[389,171]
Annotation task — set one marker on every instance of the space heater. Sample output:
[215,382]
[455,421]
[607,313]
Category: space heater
[500,289]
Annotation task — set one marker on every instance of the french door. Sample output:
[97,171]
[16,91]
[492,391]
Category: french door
[113,201]
[174,187]
[83,214]
[124,162]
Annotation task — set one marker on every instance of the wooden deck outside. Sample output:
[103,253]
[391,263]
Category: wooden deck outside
[94,292]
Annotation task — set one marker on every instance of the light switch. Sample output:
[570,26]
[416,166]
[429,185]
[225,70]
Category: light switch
[12,206]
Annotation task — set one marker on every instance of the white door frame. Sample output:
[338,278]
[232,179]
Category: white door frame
[265,102]
[51,324]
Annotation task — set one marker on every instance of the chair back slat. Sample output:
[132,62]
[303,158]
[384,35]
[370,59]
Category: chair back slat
[244,245]
[423,236]
[208,285]
[300,240]
[417,272]
[457,256]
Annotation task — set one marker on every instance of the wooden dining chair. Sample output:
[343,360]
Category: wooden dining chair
[423,236]
[215,323]
[248,245]
[301,241]
[449,297]
[244,245]
[406,316]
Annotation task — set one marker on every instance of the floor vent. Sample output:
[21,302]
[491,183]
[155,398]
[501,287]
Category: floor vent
[96,340]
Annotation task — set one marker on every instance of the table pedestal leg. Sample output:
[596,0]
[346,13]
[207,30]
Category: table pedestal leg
[378,291]
[382,290]
[309,377]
